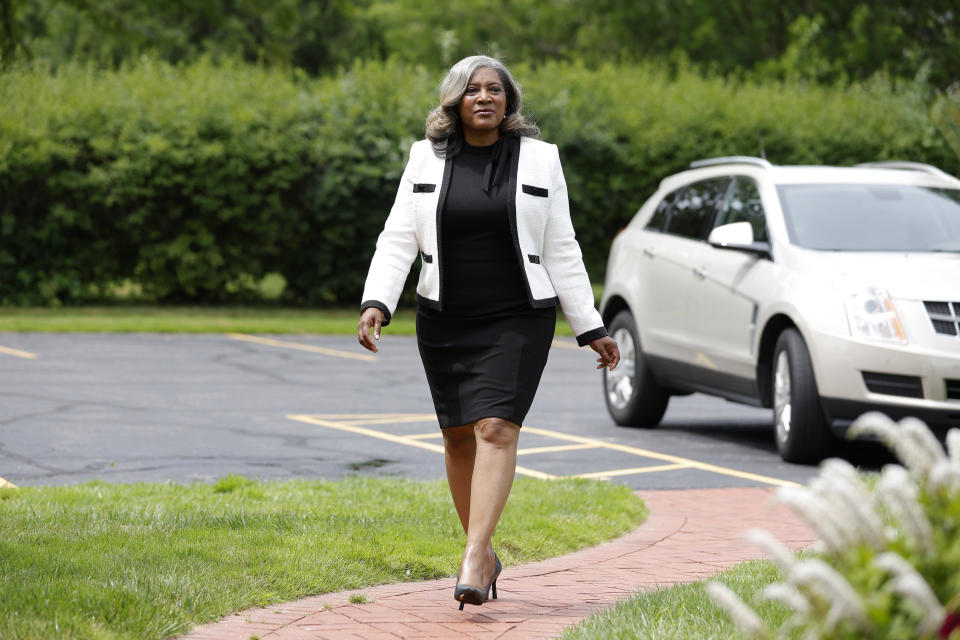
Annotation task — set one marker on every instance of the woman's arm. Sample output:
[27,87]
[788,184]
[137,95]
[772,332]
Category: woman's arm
[397,246]
[564,263]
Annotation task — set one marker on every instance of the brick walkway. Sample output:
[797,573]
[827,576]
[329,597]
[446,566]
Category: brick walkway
[689,535]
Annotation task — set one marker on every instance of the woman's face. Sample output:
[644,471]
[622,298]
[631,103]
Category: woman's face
[482,106]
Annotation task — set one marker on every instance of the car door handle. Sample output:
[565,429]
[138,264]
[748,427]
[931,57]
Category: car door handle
[648,253]
[700,272]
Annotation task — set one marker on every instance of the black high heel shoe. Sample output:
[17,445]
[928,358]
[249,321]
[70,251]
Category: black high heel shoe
[472,595]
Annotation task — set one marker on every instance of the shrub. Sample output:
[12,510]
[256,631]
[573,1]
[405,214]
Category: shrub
[195,181]
[182,179]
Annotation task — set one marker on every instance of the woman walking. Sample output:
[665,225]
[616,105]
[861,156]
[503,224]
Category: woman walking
[484,204]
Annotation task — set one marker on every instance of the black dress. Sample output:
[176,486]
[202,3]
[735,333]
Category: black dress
[485,350]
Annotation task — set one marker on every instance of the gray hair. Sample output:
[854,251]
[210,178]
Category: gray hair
[443,122]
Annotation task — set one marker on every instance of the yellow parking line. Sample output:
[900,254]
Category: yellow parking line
[558,447]
[413,442]
[17,353]
[373,433]
[630,472]
[359,416]
[695,464]
[426,417]
[533,473]
[563,344]
[6,484]
[286,344]
[353,422]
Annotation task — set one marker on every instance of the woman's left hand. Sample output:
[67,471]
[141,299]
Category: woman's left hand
[609,353]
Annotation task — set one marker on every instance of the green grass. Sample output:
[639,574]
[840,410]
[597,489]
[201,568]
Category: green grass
[98,561]
[683,612]
[150,318]
[174,319]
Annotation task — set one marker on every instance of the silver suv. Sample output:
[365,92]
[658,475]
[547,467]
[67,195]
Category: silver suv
[820,292]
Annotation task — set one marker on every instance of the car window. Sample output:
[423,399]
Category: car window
[694,210]
[744,205]
[659,219]
[872,217]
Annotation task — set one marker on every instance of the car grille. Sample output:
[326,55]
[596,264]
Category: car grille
[945,317]
[893,385]
[953,389]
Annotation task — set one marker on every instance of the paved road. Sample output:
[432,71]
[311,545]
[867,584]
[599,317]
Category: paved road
[144,407]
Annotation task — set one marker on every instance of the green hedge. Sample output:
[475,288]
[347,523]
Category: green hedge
[196,181]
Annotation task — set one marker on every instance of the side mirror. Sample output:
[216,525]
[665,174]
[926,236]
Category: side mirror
[738,236]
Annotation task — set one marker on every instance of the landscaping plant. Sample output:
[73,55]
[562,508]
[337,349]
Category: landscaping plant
[887,562]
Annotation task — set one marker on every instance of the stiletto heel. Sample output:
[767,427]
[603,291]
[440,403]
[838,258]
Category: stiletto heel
[497,568]
[465,594]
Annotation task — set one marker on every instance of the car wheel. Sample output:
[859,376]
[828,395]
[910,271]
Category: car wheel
[802,431]
[634,399]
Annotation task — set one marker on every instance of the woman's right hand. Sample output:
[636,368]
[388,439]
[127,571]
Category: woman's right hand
[371,318]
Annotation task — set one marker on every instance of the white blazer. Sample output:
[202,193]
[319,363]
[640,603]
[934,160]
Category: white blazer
[544,238]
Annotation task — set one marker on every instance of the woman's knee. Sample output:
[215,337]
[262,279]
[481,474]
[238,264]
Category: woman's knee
[497,431]
[459,439]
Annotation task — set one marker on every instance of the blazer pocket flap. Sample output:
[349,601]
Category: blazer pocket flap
[422,187]
[534,191]
[426,256]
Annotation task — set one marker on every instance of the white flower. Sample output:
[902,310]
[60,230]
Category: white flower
[766,541]
[944,475]
[817,512]
[850,495]
[788,595]
[740,612]
[845,603]
[817,548]
[910,584]
[894,563]
[953,444]
[840,500]
[793,599]
[914,456]
[920,433]
[898,492]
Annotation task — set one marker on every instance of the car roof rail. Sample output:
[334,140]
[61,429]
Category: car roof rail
[711,162]
[911,166]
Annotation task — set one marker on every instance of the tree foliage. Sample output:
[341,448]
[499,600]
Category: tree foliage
[314,36]
[824,40]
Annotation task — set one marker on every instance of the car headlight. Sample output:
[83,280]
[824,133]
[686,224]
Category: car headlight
[871,315]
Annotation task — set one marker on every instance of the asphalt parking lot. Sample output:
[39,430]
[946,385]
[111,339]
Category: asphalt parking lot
[149,407]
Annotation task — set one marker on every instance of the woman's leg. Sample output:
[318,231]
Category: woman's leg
[494,466]
[459,450]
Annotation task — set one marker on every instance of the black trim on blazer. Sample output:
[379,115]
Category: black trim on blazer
[441,200]
[423,187]
[534,191]
[376,304]
[543,303]
[533,258]
[586,338]
[427,302]
[512,214]
[426,257]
